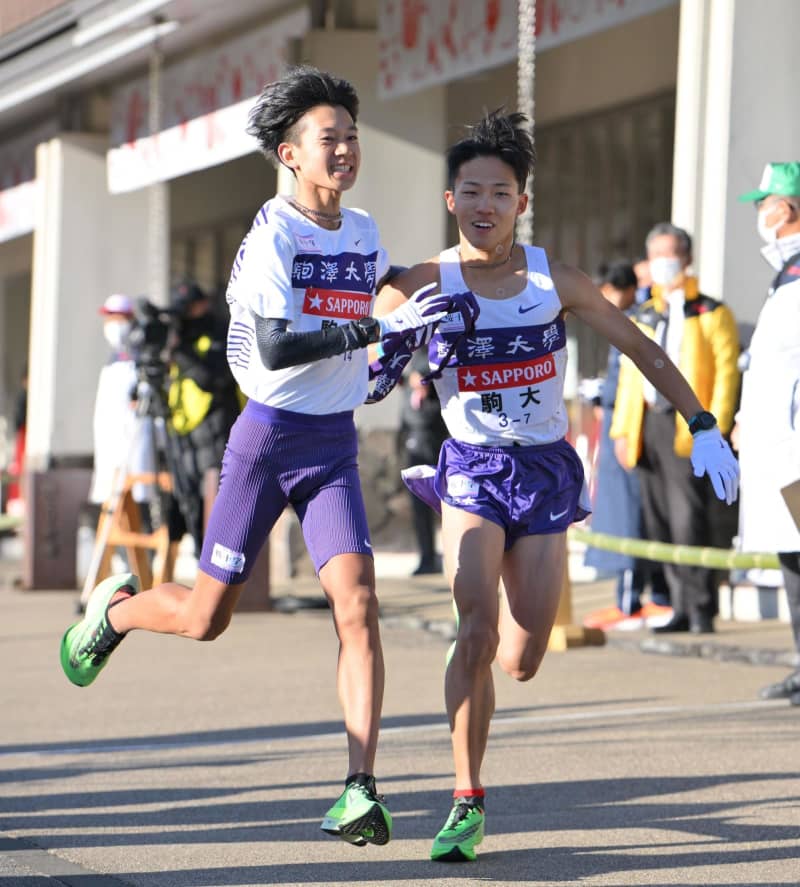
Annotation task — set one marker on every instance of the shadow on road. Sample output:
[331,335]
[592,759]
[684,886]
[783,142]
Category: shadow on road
[201,816]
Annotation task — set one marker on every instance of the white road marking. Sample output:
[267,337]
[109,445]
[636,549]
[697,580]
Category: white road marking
[598,714]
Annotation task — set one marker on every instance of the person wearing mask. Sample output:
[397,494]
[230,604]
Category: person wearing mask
[123,441]
[617,507]
[700,336]
[767,432]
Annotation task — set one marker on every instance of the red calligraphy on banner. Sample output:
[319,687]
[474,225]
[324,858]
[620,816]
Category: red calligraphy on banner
[424,43]
[553,16]
[492,15]
[433,55]
[412,12]
[205,103]
[556,16]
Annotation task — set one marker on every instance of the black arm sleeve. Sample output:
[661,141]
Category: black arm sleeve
[280,349]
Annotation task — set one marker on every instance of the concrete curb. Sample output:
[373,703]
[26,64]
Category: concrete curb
[705,650]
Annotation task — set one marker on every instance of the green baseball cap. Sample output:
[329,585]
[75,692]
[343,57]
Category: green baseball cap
[778,178]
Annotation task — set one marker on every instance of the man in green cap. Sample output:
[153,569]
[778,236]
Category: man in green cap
[768,423]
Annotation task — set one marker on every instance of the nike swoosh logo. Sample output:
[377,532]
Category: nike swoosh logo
[525,309]
[461,836]
[560,514]
[366,542]
[357,242]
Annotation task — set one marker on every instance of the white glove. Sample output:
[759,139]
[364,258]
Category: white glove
[426,306]
[711,455]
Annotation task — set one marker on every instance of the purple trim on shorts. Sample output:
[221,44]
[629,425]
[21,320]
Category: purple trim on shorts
[527,490]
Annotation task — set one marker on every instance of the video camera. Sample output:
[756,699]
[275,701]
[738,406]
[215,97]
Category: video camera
[156,329]
[149,338]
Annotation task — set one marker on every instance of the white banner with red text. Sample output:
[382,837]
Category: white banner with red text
[205,102]
[18,181]
[422,44]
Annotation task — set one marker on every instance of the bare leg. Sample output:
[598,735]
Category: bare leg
[473,549]
[348,581]
[202,612]
[533,574]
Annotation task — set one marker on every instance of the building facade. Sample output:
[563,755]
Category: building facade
[124,162]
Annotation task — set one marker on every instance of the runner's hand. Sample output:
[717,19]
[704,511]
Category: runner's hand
[711,455]
[426,306]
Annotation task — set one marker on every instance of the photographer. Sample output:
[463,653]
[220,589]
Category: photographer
[202,397]
[122,442]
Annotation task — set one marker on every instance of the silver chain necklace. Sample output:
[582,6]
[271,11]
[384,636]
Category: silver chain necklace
[316,213]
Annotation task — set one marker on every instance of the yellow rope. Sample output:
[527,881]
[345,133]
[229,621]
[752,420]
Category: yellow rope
[9,522]
[687,555]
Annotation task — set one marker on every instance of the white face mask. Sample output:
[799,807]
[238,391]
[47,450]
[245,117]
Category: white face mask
[781,250]
[116,333]
[664,270]
[769,234]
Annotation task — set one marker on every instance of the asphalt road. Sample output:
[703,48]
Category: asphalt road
[193,764]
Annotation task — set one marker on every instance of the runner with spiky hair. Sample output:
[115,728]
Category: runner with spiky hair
[282,105]
[507,482]
[300,298]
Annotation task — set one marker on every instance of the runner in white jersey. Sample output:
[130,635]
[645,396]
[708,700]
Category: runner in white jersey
[507,382]
[300,296]
[507,482]
[290,268]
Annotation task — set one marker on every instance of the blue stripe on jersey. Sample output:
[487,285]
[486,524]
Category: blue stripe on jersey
[353,272]
[240,343]
[503,344]
[260,219]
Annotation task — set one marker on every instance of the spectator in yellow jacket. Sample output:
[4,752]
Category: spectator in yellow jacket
[699,334]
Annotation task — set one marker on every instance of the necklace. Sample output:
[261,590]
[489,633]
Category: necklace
[316,213]
[488,266]
[500,291]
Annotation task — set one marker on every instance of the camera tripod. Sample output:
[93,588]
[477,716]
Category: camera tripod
[120,523]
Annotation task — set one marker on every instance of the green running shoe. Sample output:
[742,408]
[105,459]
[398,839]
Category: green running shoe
[359,816]
[87,644]
[355,840]
[461,834]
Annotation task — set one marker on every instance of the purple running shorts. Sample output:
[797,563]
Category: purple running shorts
[276,458]
[527,490]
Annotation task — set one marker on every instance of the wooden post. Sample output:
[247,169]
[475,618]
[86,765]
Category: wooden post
[564,634]
[125,531]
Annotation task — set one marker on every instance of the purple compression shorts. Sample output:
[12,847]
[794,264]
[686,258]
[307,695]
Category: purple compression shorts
[527,490]
[276,458]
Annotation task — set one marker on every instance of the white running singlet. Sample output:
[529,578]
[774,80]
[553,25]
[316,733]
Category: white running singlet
[505,382]
[289,268]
